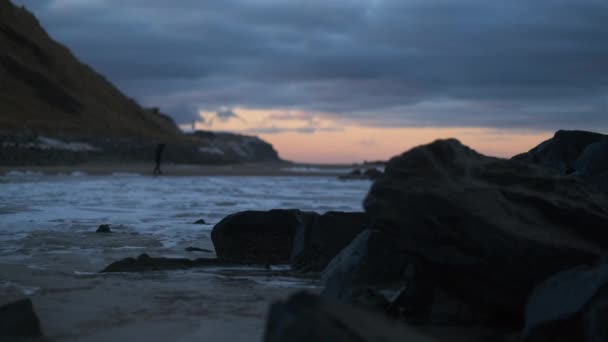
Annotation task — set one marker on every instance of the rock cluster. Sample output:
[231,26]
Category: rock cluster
[456,237]
[306,240]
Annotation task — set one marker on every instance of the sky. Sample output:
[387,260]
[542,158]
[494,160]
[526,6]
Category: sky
[351,80]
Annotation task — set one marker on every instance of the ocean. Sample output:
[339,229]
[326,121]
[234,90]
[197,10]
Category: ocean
[49,251]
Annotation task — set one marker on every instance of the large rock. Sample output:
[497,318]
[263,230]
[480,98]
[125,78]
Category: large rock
[305,239]
[487,230]
[573,152]
[369,272]
[317,243]
[572,305]
[258,236]
[18,321]
[305,317]
[374,273]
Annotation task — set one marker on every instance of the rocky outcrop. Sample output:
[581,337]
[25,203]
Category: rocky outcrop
[104,228]
[580,153]
[369,174]
[146,263]
[307,240]
[572,305]
[306,317]
[18,148]
[487,230]
[234,147]
[18,321]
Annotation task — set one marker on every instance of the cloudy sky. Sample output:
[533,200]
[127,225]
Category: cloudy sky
[350,80]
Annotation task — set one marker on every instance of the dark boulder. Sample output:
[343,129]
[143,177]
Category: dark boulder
[305,239]
[306,317]
[104,228]
[487,230]
[368,174]
[369,268]
[372,272]
[197,249]
[258,236]
[595,318]
[18,321]
[580,153]
[572,305]
[201,221]
[146,263]
[317,243]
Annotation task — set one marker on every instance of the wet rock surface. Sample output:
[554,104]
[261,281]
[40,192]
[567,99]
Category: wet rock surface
[306,240]
[258,236]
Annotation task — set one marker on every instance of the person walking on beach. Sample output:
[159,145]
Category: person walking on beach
[158,158]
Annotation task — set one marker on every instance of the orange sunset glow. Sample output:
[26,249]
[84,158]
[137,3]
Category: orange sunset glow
[321,138]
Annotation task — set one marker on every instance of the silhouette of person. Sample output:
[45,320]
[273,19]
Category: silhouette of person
[158,158]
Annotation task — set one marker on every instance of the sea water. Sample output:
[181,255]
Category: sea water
[49,250]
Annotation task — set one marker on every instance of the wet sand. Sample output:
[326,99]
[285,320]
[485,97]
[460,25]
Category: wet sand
[76,303]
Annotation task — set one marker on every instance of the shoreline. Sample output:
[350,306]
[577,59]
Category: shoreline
[246,169]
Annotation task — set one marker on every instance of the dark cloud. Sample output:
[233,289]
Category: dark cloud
[535,64]
[225,114]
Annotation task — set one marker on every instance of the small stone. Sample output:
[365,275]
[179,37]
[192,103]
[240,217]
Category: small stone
[201,221]
[142,257]
[104,228]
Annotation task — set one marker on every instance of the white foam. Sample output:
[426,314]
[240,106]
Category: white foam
[26,290]
[211,150]
[307,169]
[157,206]
[20,174]
[46,143]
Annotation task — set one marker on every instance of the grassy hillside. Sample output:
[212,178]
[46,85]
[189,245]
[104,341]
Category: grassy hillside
[46,90]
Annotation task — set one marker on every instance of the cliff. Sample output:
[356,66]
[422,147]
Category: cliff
[55,109]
